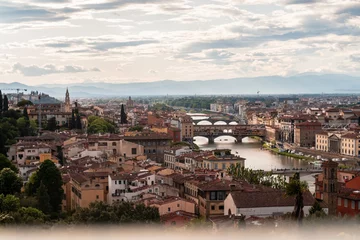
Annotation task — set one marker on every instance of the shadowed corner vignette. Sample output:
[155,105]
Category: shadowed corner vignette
[179,119]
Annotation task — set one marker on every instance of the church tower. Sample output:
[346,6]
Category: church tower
[330,186]
[67,102]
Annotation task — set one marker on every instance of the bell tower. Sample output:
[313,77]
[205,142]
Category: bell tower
[67,101]
[330,185]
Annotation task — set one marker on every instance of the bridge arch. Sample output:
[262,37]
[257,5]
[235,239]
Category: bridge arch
[204,122]
[220,122]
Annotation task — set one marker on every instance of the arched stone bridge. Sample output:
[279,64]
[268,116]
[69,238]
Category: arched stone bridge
[215,120]
[237,131]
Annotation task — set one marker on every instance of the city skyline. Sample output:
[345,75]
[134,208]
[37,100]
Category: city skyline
[48,41]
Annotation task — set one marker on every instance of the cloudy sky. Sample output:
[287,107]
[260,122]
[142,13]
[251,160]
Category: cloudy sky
[68,41]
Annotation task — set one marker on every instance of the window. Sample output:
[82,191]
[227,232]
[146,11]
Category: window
[97,185]
[339,201]
[178,205]
[133,151]
[352,204]
[97,196]
[169,209]
[345,203]
[220,196]
[216,166]
[212,195]
[212,207]
[224,166]
[114,143]
[115,182]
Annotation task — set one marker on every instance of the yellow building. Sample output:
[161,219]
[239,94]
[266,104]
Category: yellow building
[85,191]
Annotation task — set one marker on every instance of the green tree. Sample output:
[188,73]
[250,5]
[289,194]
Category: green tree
[51,124]
[10,182]
[5,104]
[296,188]
[123,116]
[25,114]
[199,224]
[43,199]
[73,121]
[120,212]
[29,216]
[316,210]
[9,203]
[136,128]
[1,103]
[60,155]
[24,103]
[5,163]
[50,176]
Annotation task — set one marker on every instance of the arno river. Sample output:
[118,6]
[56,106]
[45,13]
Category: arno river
[256,158]
[250,149]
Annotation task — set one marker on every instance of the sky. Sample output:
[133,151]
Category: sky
[74,41]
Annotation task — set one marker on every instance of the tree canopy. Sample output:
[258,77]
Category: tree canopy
[100,125]
[5,163]
[119,212]
[50,176]
[10,183]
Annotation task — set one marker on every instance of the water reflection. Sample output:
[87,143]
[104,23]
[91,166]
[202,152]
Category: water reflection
[255,157]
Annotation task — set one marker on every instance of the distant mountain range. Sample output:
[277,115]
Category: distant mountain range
[304,83]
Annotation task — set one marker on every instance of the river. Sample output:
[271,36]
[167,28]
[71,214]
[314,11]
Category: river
[250,149]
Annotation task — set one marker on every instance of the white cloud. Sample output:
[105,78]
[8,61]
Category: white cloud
[33,70]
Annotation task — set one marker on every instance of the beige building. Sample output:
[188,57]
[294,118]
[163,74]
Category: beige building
[84,191]
[321,142]
[350,144]
[171,204]
[187,128]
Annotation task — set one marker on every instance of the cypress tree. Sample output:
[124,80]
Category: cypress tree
[6,104]
[43,199]
[78,121]
[25,114]
[123,117]
[73,121]
[1,103]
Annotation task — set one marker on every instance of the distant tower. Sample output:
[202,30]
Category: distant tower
[67,102]
[330,186]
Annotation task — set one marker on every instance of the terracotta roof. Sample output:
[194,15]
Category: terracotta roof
[267,199]
[79,178]
[172,215]
[223,185]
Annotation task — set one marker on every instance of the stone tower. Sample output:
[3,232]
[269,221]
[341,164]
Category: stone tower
[330,185]
[67,102]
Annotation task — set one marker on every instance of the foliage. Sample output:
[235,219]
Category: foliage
[100,125]
[24,103]
[5,163]
[43,199]
[119,212]
[199,223]
[136,128]
[296,188]
[123,116]
[316,210]
[161,107]
[256,176]
[29,216]
[5,104]
[50,176]
[9,203]
[51,124]
[26,201]
[60,155]
[10,183]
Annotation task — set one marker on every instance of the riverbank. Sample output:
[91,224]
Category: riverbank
[287,154]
